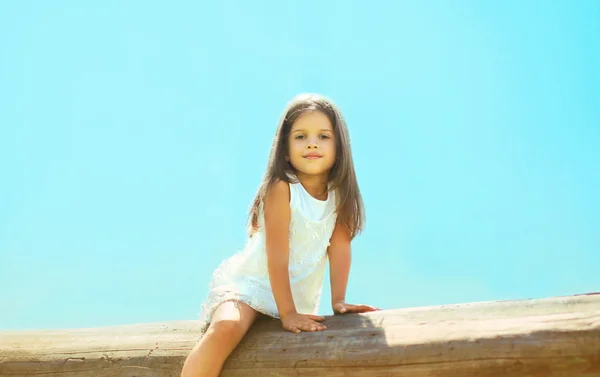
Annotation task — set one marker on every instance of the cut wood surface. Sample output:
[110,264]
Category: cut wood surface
[557,336]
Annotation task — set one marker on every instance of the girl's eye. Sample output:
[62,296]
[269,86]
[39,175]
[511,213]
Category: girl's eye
[299,137]
[324,136]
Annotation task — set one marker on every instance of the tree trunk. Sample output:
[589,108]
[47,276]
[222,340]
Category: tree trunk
[554,337]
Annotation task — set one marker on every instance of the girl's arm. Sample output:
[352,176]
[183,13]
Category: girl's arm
[339,264]
[277,222]
[277,228]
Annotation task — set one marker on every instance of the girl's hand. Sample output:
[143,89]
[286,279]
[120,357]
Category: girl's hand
[296,322]
[341,308]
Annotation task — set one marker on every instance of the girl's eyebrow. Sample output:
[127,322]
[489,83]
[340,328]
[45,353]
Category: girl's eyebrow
[321,130]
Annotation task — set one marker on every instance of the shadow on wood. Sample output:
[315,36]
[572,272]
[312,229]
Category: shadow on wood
[555,337]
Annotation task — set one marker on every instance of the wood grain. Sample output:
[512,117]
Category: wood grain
[553,337]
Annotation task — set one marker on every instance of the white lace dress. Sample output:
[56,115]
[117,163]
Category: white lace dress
[244,276]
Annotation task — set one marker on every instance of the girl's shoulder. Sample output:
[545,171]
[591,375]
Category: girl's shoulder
[278,187]
[278,193]
[281,188]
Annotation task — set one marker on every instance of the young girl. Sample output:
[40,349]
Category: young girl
[307,210]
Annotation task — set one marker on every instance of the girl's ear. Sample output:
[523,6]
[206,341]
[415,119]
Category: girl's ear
[287,158]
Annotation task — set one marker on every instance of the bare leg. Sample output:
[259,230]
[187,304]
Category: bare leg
[230,322]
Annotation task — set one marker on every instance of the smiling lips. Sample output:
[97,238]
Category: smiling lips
[312,156]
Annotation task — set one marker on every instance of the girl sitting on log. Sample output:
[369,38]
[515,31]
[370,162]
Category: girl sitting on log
[308,209]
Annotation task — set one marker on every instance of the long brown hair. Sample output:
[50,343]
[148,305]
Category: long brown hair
[342,177]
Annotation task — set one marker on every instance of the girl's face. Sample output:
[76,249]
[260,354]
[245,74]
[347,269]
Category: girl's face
[312,144]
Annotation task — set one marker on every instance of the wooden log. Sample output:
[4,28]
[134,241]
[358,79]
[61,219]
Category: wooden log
[553,337]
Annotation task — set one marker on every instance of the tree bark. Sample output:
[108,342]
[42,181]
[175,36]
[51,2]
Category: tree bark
[553,337]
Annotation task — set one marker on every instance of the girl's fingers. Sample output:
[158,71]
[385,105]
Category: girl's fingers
[358,308]
[292,328]
[309,323]
[367,308]
[313,326]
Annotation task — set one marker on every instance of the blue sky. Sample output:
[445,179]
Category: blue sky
[133,136]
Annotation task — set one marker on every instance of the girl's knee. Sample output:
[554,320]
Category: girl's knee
[226,328]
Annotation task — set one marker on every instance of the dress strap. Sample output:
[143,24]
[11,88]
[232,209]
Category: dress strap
[293,194]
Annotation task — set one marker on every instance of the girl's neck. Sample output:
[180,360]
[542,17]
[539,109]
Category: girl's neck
[315,185]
